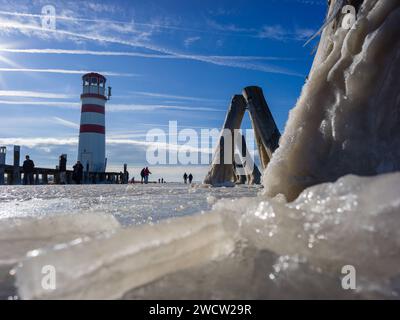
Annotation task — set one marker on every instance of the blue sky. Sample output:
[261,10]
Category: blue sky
[166,60]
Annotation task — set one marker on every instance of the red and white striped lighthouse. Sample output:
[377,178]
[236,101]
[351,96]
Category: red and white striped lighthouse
[92,142]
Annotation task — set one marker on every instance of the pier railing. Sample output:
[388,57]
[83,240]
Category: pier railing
[13,175]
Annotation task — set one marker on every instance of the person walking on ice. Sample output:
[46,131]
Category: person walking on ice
[142,175]
[146,175]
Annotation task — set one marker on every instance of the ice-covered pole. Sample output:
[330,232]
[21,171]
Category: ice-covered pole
[266,132]
[222,169]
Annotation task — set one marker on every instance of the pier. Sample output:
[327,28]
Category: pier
[13,174]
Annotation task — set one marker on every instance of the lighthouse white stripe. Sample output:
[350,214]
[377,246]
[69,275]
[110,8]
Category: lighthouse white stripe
[92,118]
[97,101]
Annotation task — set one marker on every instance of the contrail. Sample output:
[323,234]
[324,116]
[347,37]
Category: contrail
[88,52]
[66,71]
[66,123]
[136,54]
[33,94]
[110,107]
[42,103]
[207,59]
[152,107]
[134,23]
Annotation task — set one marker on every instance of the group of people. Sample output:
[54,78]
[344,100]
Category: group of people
[77,173]
[144,174]
[28,169]
[187,177]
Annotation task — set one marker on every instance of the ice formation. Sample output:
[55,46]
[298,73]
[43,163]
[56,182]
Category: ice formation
[244,248]
[346,121]
[21,235]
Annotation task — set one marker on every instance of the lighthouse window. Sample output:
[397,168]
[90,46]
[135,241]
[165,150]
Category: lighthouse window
[94,81]
[86,82]
[101,83]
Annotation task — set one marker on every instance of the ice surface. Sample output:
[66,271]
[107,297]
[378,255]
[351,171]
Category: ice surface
[130,204]
[45,216]
[246,248]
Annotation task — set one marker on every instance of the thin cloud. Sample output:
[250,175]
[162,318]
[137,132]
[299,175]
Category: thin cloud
[38,142]
[88,52]
[189,41]
[33,94]
[216,29]
[111,107]
[65,71]
[278,32]
[175,97]
[230,28]
[41,103]
[66,123]
[153,107]
[216,61]
[138,54]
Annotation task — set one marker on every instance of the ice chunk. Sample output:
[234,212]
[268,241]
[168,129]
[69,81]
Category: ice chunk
[18,236]
[108,267]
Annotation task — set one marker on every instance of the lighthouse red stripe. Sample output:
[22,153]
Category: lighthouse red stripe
[93,95]
[92,128]
[92,108]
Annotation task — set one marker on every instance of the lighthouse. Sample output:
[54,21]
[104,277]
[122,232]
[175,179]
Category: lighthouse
[92,142]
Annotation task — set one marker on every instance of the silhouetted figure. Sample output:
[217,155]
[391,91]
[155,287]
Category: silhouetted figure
[62,168]
[190,178]
[28,168]
[185,177]
[162,180]
[77,174]
[142,175]
[146,175]
[159,180]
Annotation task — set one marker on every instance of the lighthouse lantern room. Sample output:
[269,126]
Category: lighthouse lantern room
[92,144]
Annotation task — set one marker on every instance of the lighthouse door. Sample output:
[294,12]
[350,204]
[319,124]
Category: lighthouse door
[87,161]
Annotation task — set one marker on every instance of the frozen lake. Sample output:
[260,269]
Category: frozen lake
[130,204]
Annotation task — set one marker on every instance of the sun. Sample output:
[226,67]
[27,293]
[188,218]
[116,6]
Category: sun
[6,60]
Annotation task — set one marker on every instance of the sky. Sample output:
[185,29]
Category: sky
[165,61]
